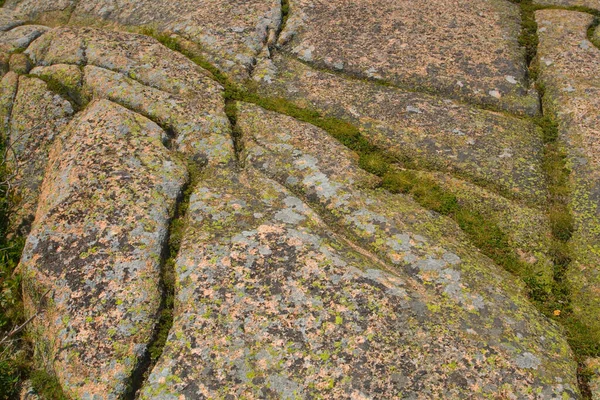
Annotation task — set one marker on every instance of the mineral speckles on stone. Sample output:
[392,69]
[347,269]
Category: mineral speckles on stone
[38,116]
[20,37]
[593,4]
[141,74]
[496,150]
[97,240]
[231,33]
[391,227]
[204,135]
[431,45]
[9,20]
[282,308]
[578,113]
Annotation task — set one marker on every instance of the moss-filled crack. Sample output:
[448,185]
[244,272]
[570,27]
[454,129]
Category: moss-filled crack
[553,299]
[236,134]
[556,303]
[169,256]
[285,15]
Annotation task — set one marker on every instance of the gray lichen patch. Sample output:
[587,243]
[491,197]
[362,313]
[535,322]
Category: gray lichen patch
[20,37]
[569,67]
[9,20]
[464,49]
[485,147]
[271,303]
[96,244]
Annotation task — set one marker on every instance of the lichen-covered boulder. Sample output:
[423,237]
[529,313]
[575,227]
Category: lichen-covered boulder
[300,281]
[96,246]
[139,73]
[36,119]
[271,303]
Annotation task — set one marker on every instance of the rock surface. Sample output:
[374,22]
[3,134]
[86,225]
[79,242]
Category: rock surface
[466,49]
[569,69]
[296,274]
[96,244]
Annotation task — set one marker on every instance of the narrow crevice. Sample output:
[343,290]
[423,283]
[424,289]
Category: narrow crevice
[72,96]
[236,133]
[285,15]
[592,30]
[556,303]
[168,278]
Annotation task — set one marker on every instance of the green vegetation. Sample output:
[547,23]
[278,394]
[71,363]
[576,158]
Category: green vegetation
[47,386]
[529,38]
[168,280]
[13,355]
[553,300]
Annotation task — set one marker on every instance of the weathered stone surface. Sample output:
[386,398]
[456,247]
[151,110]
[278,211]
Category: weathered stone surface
[141,74]
[465,49]
[593,364]
[232,34]
[433,132]
[20,37]
[298,276]
[569,66]
[70,79]
[37,117]
[272,304]
[96,244]
[193,129]
[9,19]
[593,4]
[256,250]
[527,228]
[19,63]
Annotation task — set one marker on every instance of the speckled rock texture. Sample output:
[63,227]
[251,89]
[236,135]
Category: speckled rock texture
[296,274]
[593,4]
[37,117]
[231,33]
[570,67]
[466,49]
[431,131]
[272,304]
[97,242]
[594,367]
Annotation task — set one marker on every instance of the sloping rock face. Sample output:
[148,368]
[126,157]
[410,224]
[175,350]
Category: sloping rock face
[233,34]
[569,68]
[466,49]
[298,271]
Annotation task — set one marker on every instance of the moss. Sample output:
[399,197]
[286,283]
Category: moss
[168,281]
[47,386]
[71,94]
[595,39]
[375,163]
[14,355]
